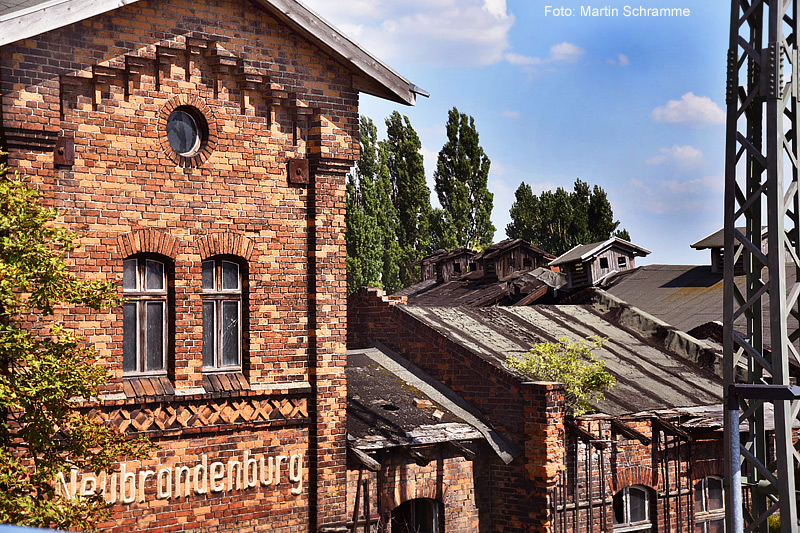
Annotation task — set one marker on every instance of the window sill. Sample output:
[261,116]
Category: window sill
[147,386]
[217,382]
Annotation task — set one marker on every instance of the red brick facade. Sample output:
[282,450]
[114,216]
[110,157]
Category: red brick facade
[266,95]
[555,485]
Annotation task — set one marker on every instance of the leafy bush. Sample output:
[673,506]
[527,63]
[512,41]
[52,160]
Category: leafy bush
[571,363]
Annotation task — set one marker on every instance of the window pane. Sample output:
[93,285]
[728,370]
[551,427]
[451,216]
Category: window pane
[700,527]
[155,336]
[208,275]
[714,494]
[638,510]
[699,501]
[619,508]
[129,275]
[230,276]
[717,526]
[230,333]
[155,276]
[208,333]
[130,334]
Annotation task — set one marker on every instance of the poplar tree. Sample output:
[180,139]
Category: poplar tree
[43,367]
[557,221]
[410,193]
[372,248]
[461,183]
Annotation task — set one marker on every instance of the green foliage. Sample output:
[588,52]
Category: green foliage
[372,248]
[43,367]
[557,221]
[411,195]
[571,363]
[461,177]
[774,523]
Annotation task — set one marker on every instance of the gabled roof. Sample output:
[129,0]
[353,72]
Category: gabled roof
[22,19]
[499,247]
[717,239]
[584,252]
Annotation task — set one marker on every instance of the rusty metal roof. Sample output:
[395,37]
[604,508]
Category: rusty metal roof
[648,377]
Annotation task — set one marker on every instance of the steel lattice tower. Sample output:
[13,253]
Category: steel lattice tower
[761,225]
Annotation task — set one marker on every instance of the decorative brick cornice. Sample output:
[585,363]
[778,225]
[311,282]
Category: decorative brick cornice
[225,244]
[148,241]
[179,416]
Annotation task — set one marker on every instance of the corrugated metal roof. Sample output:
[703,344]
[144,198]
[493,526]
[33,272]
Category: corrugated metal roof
[716,239]
[647,376]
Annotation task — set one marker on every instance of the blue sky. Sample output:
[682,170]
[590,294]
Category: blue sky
[633,104]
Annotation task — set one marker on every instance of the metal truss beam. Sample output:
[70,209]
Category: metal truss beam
[761,224]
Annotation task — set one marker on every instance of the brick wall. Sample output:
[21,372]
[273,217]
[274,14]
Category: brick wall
[447,478]
[530,415]
[268,96]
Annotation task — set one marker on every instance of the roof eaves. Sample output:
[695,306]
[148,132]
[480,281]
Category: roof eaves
[47,16]
[375,78]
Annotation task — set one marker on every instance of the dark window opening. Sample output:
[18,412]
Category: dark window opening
[457,268]
[527,262]
[622,261]
[420,515]
[604,262]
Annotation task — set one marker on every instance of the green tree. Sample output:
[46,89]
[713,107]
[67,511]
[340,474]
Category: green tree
[461,178]
[571,363]
[558,220]
[44,367]
[411,196]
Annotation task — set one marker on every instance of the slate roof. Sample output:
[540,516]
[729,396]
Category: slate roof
[582,252]
[391,403]
[716,239]
[648,377]
[473,290]
[21,19]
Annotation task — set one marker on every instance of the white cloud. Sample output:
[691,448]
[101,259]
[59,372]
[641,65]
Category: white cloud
[662,197]
[440,32]
[621,61]
[512,113]
[685,156]
[560,53]
[691,110]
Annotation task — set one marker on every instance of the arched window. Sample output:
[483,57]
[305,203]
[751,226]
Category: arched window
[632,510]
[420,515]
[709,505]
[222,315]
[145,313]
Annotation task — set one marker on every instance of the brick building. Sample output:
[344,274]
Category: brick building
[651,459]
[201,148]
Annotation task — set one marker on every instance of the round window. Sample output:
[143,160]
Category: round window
[186,131]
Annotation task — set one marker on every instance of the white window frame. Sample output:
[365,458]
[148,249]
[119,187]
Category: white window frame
[627,525]
[703,517]
[139,296]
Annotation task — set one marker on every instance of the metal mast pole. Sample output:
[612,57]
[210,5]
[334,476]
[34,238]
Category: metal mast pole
[761,192]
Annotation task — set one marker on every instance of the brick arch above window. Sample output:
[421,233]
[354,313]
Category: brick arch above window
[225,244]
[633,475]
[413,489]
[148,241]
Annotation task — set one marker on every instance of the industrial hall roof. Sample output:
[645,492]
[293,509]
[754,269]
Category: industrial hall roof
[392,403]
[648,376]
[684,296]
[584,252]
[21,19]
